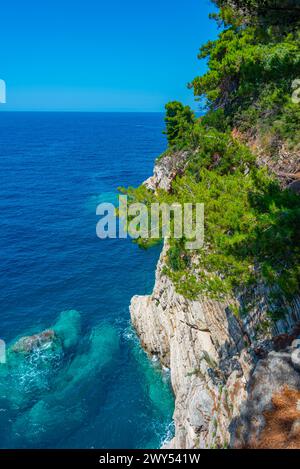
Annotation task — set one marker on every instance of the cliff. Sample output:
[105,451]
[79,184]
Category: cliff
[226,371]
[225,318]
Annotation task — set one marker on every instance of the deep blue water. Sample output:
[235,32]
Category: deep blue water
[104,393]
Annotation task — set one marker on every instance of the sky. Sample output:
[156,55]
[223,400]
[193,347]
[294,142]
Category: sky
[101,55]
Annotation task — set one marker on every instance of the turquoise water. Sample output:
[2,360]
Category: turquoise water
[95,387]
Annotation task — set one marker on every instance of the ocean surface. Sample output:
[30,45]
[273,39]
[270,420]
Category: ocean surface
[100,390]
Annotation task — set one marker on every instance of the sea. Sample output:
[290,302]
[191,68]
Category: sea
[101,390]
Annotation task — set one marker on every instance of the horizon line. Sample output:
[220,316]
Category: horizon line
[79,111]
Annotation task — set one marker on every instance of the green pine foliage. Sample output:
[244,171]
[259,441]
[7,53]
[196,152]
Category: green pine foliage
[251,71]
[252,226]
[265,12]
[179,123]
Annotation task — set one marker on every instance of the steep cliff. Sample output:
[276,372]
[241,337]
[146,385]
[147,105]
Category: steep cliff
[192,338]
[224,369]
[225,318]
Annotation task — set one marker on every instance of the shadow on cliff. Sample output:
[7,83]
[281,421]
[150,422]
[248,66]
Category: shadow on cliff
[270,417]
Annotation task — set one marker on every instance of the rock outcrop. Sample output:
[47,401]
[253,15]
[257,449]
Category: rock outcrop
[220,365]
[166,169]
[29,344]
[217,368]
[203,345]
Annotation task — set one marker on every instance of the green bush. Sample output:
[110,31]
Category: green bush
[179,121]
[252,226]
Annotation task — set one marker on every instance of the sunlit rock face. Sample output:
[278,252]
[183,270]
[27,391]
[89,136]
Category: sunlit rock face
[219,363]
[204,347]
[166,169]
[223,377]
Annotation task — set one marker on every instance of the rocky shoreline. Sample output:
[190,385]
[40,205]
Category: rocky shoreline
[225,371]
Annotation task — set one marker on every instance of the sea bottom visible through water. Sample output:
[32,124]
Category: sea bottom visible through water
[90,385]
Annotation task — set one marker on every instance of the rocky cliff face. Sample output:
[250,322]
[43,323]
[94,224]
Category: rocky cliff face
[224,370]
[166,169]
[192,338]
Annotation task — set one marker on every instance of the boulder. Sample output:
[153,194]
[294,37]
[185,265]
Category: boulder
[32,343]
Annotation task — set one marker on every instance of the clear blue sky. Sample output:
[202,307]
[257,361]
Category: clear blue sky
[99,55]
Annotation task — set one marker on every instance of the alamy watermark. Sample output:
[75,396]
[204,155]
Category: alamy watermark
[156,221]
[2,92]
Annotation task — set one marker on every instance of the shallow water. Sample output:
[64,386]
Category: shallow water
[100,390]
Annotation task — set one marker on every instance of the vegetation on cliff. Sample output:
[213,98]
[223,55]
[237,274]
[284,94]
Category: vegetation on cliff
[252,225]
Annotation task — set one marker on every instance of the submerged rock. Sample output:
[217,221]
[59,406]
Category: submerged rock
[65,333]
[50,378]
[32,343]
